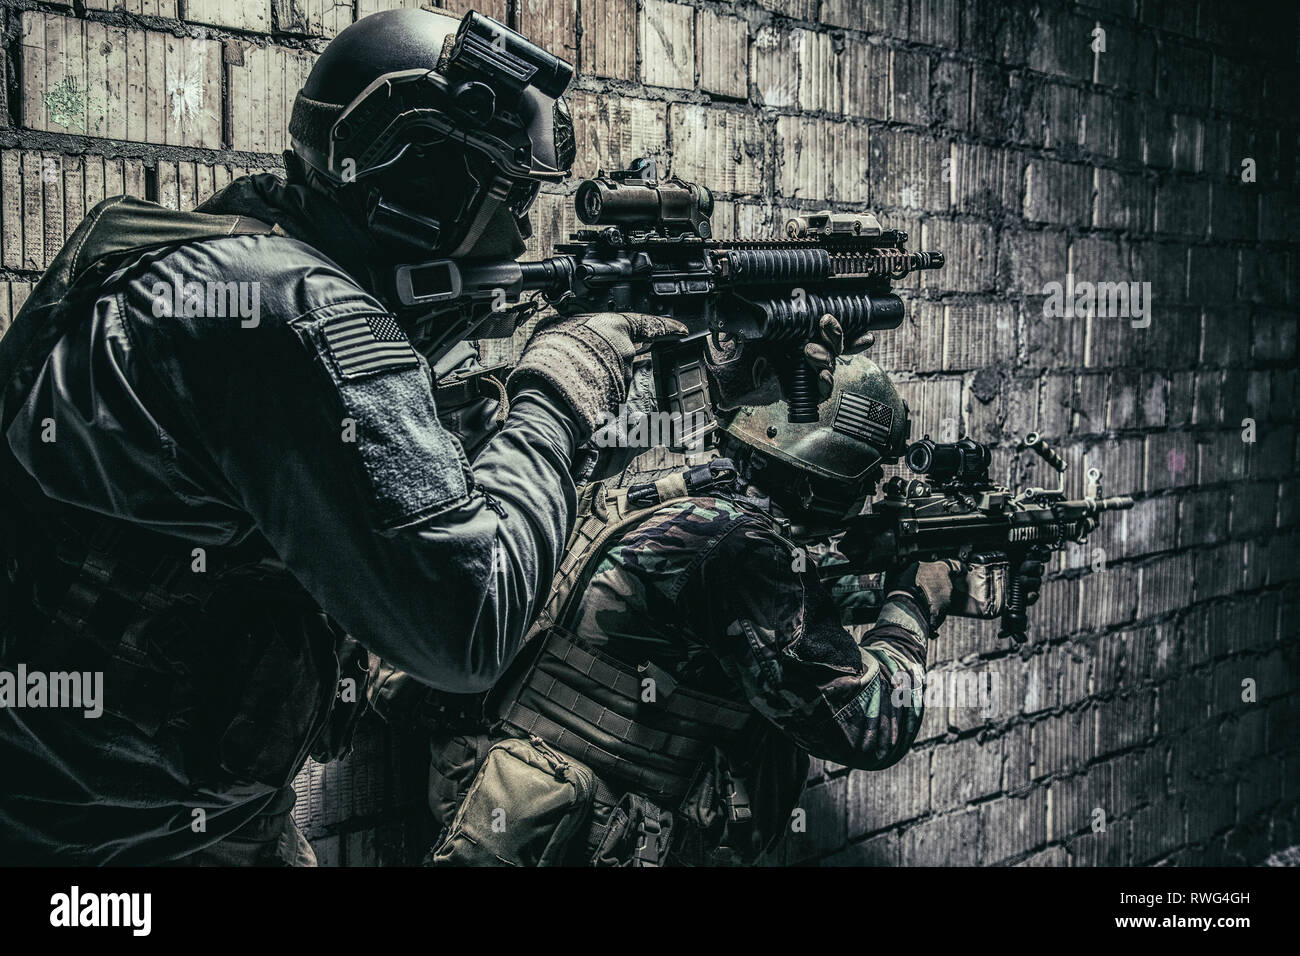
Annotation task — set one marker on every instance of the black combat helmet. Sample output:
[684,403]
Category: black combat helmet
[441,126]
[822,471]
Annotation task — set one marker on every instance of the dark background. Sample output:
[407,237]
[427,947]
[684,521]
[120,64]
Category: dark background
[992,131]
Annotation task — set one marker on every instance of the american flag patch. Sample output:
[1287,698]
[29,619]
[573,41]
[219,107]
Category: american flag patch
[864,418]
[365,344]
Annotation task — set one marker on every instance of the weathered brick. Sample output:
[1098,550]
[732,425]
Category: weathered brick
[609,31]
[45,196]
[12,297]
[88,78]
[878,799]
[821,160]
[1182,208]
[907,170]
[263,81]
[1012,827]
[613,130]
[552,24]
[970,253]
[774,66]
[667,34]
[253,15]
[1058,192]
[950,840]
[910,86]
[722,54]
[977,334]
[985,181]
[965,771]
[313,17]
[1164,584]
[726,150]
[874,16]
[1063,742]
[1125,201]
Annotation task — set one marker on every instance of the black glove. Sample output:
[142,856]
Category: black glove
[930,585]
[822,351]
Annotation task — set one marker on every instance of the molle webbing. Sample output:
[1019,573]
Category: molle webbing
[605,514]
[589,705]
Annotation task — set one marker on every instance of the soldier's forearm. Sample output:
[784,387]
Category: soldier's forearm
[529,497]
[901,609]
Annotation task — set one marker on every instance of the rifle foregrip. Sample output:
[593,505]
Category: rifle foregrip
[801,393]
[1014,619]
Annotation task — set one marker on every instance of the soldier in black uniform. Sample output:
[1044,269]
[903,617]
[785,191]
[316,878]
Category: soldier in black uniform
[223,472]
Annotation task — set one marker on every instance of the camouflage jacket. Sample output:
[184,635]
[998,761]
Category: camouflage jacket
[710,591]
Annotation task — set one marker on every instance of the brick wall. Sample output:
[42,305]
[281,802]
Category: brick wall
[994,131]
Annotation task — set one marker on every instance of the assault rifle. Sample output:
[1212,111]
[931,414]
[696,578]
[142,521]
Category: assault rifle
[653,251]
[955,511]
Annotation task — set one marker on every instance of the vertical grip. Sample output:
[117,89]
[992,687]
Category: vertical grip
[799,388]
[1014,620]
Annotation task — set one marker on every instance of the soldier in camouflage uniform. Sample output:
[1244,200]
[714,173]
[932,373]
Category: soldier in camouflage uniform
[688,659]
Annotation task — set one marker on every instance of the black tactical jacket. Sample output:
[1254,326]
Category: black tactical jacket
[302,439]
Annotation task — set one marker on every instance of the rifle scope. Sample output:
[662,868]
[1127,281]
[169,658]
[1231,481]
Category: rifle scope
[965,460]
[637,199]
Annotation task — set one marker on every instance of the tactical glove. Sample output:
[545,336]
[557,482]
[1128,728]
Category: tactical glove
[930,585]
[587,359]
[744,375]
[974,588]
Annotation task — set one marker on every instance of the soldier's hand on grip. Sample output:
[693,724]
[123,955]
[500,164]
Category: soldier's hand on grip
[822,351]
[930,584]
[744,375]
[980,584]
[976,587]
[587,359]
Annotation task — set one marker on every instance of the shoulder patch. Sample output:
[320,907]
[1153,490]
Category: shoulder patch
[366,344]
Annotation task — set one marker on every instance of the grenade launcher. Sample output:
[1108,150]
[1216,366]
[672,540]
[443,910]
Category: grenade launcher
[651,250]
[955,511]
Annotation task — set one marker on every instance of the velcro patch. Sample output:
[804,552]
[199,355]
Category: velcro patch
[366,344]
[864,418]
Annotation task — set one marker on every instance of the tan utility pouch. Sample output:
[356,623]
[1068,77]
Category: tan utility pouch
[525,805]
[986,587]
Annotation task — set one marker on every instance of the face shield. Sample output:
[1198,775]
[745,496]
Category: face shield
[451,146]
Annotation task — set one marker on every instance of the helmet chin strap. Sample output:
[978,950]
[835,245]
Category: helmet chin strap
[496,195]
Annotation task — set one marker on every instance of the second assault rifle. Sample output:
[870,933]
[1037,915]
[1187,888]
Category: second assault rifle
[955,511]
[653,251]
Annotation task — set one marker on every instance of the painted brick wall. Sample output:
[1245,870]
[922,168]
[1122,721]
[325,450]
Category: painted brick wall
[994,131]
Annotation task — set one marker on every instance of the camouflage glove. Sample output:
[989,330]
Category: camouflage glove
[587,359]
[744,375]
